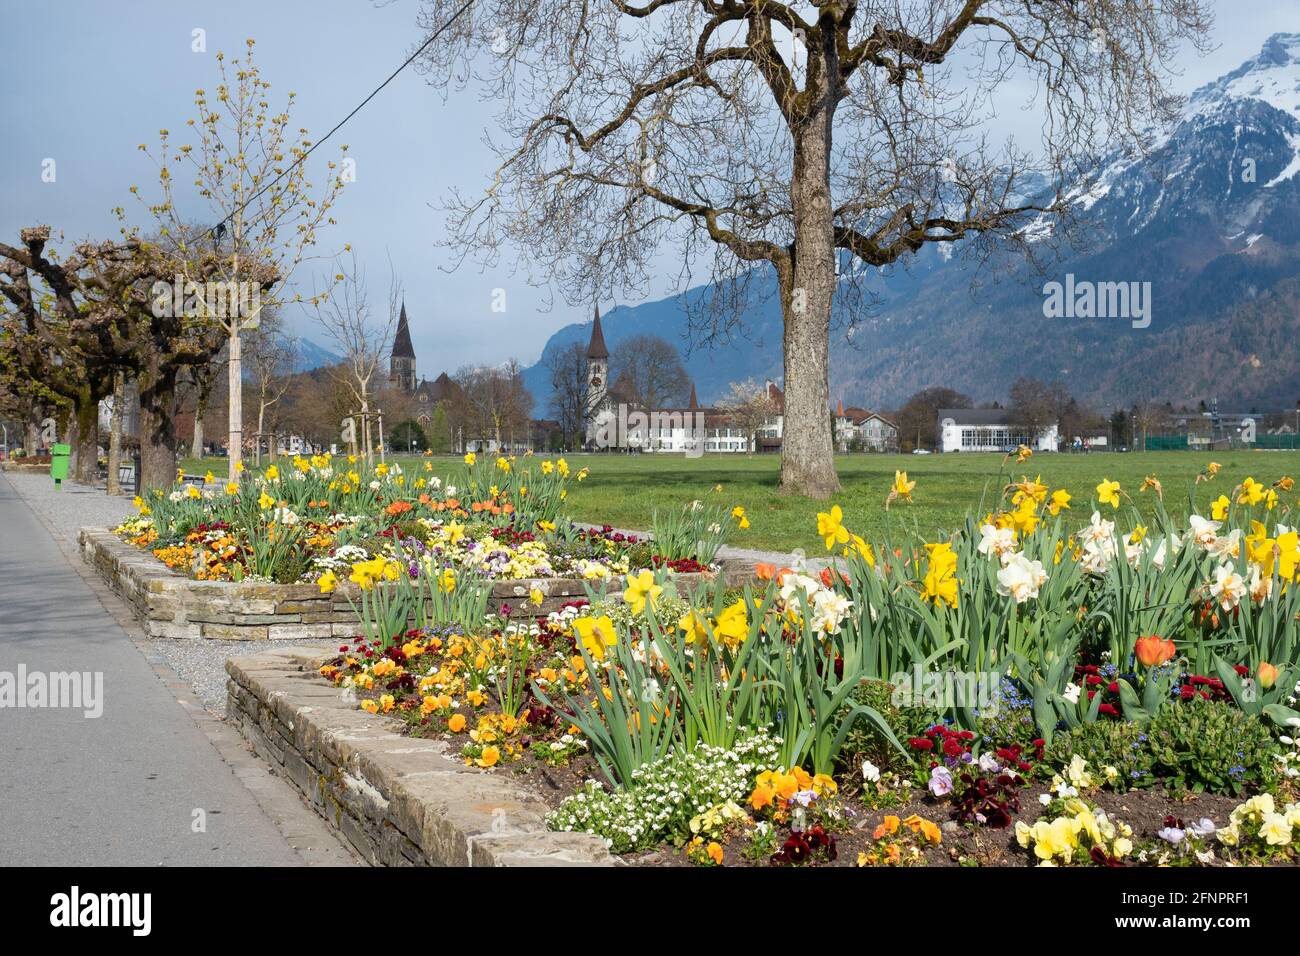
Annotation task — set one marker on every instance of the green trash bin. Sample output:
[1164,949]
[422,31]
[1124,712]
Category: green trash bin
[59,464]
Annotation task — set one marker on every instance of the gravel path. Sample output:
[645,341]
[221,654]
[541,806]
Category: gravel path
[201,663]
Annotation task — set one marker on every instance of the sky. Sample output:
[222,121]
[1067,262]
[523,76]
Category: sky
[90,80]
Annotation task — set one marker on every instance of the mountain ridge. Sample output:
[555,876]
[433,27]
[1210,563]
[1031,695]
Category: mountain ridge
[1208,213]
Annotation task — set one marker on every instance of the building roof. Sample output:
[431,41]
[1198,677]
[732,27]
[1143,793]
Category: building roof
[777,397]
[402,347]
[596,348]
[440,389]
[860,416]
[976,416]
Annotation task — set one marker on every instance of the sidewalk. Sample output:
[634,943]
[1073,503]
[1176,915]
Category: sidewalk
[123,788]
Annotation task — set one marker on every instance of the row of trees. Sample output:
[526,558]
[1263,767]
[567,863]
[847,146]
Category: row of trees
[167,304]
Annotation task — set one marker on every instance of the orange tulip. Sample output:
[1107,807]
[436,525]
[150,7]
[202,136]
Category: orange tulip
[1267,675]
[764,572]
[1153,650]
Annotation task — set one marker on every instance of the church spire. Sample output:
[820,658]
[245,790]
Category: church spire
[596,349]
[402,347]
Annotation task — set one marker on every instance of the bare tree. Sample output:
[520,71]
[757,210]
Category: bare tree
[793,136]
[568,368]
[363,338]
[749,405]
[498,405]
[1033,407]
[198,384]
[647,370]
[271,357]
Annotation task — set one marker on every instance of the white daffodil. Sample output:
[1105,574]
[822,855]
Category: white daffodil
[1021,578]
[1228,588]
[1203,531]
[999,541]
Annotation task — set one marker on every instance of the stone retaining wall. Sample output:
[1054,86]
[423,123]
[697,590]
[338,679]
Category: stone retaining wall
[170,605]
[400,801]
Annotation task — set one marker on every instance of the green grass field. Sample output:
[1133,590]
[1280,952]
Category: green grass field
[624,490]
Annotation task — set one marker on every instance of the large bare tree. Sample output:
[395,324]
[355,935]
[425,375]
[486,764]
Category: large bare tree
[497,404]
[748,406]
[648,371]
[786,135]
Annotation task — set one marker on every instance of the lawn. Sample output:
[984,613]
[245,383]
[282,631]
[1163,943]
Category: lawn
[624,490]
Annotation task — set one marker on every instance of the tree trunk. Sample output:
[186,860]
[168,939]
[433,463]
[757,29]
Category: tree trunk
[86,447]
[807,288]
[115,436]
[236,401]
[157,430]
[196,446]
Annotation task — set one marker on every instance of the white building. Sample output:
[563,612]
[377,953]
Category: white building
[859,429]
[989,429]
[615,421]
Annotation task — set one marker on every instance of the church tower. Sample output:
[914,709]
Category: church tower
[401,369]
[597,375]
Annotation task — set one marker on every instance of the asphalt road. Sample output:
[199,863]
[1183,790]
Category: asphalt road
[123,788]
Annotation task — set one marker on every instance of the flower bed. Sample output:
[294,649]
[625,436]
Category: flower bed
[1030,689]
[296,552]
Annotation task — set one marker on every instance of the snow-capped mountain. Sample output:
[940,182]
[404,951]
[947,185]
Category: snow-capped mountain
[1207,212]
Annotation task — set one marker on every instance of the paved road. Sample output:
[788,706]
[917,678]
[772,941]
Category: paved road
[120,789]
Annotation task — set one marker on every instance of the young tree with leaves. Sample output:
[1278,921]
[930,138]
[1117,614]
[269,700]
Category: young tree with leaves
[264,212]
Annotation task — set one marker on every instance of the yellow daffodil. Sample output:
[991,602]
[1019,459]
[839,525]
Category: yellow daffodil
[1251,492]
[1060,500]
[597,634]
[641,588]
[831,528]
[1108,493]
